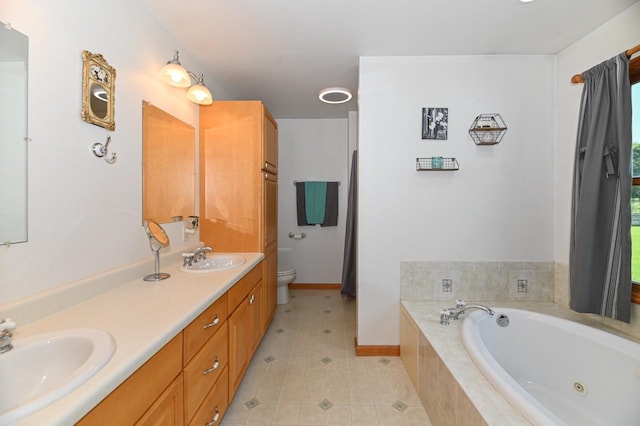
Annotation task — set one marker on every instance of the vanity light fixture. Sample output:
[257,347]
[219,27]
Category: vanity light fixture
[335,95]
[174,74]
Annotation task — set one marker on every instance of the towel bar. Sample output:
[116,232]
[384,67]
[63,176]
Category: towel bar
[339,182]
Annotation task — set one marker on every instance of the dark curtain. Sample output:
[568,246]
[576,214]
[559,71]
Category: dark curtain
[600,257]
[349,260]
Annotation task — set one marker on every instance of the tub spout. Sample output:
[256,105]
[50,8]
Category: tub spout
[454,313]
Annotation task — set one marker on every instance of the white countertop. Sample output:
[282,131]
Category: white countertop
[142,317]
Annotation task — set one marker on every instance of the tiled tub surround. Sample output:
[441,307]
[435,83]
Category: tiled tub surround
[477,281]
[141,316]
[450,385]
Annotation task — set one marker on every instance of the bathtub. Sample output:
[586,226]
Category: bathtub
[555,371]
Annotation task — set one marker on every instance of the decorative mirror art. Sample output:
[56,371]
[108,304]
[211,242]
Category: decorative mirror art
[98,91]
[14,77]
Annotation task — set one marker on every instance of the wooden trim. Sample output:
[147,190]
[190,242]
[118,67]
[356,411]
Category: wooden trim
[311,286]
[577,79]
[634,70]
[376,350]
[635,293]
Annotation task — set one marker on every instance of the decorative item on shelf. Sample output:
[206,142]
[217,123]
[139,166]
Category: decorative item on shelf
[437,164]
[487,129]
[98,91]
[174,74]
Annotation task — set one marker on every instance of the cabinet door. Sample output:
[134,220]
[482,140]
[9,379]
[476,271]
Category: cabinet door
[129,401]
[270,209]
[270,144]
[168,408]
[270,283]
[256,300]
[239,331]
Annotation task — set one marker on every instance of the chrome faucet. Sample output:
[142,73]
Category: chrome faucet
[461,307]
[5,334]
[201,253]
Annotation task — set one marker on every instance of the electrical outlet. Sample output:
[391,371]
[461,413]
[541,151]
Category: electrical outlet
[522,286]
[447,285]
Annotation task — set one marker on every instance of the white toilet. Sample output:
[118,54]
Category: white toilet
[286,275]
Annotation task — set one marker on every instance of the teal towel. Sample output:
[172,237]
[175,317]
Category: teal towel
[315,201]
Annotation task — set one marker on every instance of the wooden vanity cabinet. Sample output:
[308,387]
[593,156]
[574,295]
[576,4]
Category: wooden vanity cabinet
[137,398]
[245,325]
[239,185]
[192,379]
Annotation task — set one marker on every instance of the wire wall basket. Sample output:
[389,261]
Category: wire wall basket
[437,164]
[487,129]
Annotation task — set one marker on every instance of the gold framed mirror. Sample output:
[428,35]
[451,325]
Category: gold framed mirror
[98,90]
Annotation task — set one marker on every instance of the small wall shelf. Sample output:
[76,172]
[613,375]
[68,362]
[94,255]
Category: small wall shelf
[446,164]
[487,129]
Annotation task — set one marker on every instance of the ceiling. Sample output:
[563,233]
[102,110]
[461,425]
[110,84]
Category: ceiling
[285,51]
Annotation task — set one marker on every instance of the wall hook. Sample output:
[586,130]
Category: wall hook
[102,151]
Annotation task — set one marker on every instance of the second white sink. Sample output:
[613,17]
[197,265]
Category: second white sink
[41,369]
[215,263]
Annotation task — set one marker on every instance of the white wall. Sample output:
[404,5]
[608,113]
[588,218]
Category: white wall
[612,38]
[312,150]
[85,215]
[497,207]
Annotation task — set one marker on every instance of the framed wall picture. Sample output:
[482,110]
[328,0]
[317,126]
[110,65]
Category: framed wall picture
[435,123]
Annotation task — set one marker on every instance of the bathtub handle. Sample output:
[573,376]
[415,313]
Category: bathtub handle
[445,316]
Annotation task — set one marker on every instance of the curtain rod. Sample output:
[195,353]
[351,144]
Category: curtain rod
[578,77]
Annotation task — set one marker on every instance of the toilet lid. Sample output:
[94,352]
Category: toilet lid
[286,270]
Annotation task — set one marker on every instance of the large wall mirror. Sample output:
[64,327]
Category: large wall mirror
[168,169]
[14,73]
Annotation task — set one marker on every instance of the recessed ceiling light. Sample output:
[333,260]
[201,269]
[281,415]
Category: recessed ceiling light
[335,95]
[527,1]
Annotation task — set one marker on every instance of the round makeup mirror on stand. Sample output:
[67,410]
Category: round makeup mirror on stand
[157,239]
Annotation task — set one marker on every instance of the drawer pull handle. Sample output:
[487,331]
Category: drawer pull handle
[216,364]
[251,299]
[213,323]
[216,417]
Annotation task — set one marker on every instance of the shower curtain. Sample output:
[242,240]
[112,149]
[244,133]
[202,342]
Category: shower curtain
[349,260]
[600,256]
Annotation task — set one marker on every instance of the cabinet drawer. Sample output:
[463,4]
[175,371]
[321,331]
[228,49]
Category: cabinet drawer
[215,403]
[203,371]
[203,327]
[240,289]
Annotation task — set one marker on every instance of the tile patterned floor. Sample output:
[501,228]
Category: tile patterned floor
[305,372]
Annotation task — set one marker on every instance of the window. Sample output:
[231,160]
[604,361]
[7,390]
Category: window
[634,75]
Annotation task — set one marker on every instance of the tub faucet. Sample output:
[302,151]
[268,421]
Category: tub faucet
[201,253]
[461,308]
[5,334]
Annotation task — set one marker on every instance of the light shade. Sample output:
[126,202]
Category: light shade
[335,95]
[174,73]
[199,94]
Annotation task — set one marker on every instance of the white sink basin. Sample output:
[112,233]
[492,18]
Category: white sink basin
[215,263]
[41,369]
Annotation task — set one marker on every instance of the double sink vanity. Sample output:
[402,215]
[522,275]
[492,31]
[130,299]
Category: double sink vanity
[172,352]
